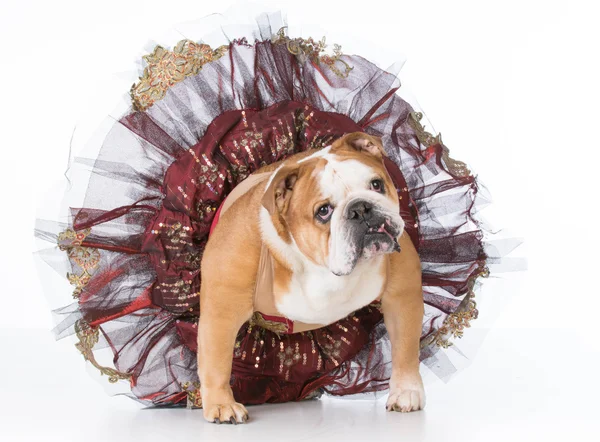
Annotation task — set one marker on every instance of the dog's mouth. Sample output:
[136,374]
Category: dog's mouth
[377,236]
[382,238]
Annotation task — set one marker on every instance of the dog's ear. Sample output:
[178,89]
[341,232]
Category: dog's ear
[279,189]
[364,143]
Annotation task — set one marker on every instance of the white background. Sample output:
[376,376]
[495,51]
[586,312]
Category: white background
[513,86]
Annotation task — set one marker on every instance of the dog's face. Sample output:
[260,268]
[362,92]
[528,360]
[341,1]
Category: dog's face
[337,206]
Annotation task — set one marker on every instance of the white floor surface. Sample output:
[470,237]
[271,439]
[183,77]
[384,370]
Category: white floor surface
[523,385]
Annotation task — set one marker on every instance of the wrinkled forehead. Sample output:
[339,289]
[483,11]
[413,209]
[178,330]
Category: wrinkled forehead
[338,176]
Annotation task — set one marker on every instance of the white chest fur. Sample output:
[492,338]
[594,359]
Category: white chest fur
[317,296]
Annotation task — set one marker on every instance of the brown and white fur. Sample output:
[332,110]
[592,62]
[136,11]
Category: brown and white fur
[330,219]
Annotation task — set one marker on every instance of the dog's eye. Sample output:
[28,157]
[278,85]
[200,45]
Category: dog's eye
[377,186]
[324,213]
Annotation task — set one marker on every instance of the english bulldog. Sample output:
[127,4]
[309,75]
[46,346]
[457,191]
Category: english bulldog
[329,219]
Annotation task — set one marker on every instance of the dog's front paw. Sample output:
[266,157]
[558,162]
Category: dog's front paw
[233,412]
[406,396]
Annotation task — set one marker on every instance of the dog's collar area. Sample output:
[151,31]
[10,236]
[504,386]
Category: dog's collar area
[285,326]
[276,324]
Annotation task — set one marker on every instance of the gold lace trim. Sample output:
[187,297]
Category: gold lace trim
[166,68]
[192,389]
[455,323]
[88,337]
[86,258]
[455,167]
[314,50]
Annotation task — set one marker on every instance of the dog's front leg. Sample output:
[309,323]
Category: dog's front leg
[402,307]
[221,316]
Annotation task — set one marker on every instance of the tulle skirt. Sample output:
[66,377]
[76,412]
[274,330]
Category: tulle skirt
[202,119]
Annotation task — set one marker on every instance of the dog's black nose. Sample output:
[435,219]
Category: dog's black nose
[360,211]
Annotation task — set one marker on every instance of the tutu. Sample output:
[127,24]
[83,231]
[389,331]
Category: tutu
[202,120]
